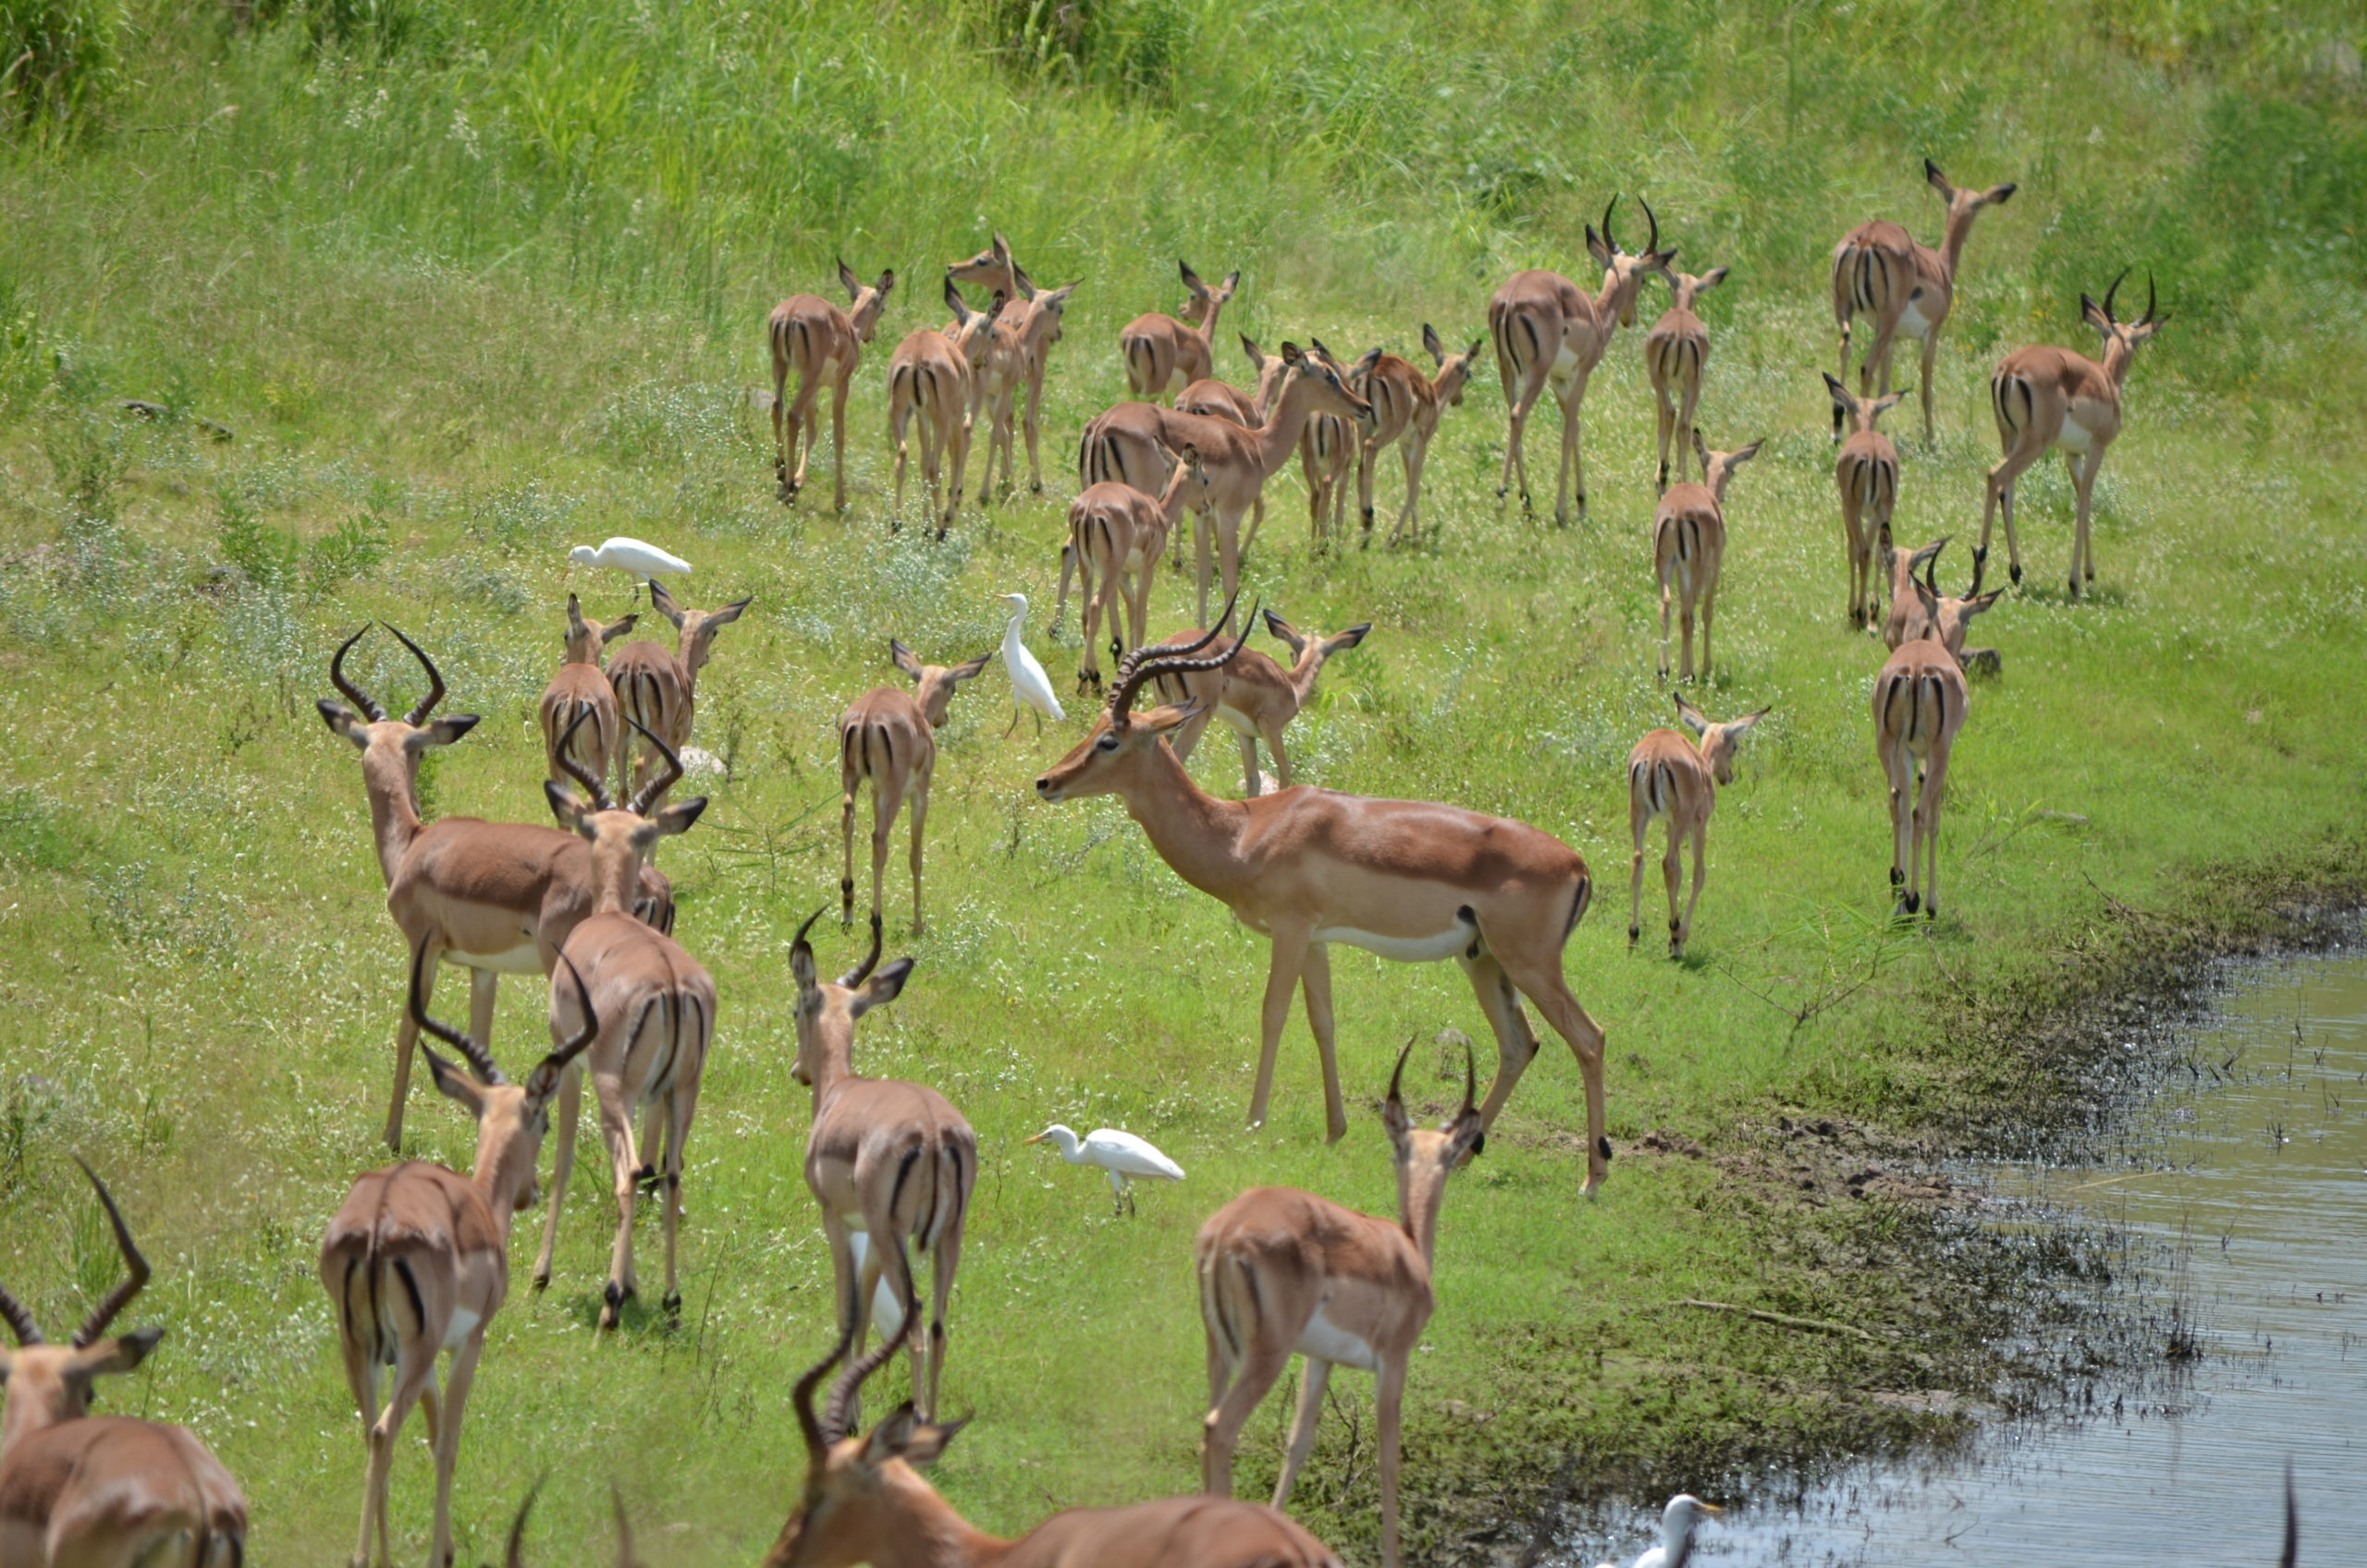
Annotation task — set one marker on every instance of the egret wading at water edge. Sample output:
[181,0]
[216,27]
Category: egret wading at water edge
[1678,1520]
[1029,684]
[634,558]
[1119,1155]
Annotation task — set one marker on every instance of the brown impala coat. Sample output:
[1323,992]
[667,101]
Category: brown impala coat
[496,898]
[1117,534]
[889,736]
[1919,703]
[1405,409]
[1865,473]
[1407,880]
[1944,620]
[79,1490]
[888,1159]
[658,690]
[822,344]
[1165,355]
[1252,695]
[1676,350]
[1667,775]
[1283,1270]
[581,688]
[1689,549]
[1036,316]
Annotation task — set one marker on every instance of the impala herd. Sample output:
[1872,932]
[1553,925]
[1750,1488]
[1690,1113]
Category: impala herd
[416,1261]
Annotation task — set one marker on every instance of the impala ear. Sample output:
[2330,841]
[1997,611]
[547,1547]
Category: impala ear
[1935,179]
[1600,251]
[619,628]
[731,612]
[120,1354]
[1741,455]
[1998,195]
[453,1084]
[1341,641]
[967,669]
[442,732]
[902,658]
[1431,345]
[1191,279]
[566,806]
[1249,348]
[344,721]
[1709,279]
[679,817]
[883,988]
[663,603]
[1693,719]
[1967,609]
[905,1435]
[887,281]
[848,281]
[1165,719]
[1231,282]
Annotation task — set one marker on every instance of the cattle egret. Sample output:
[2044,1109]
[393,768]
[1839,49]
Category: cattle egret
[1121,1156]
[636,558]
[1678,1520]
[1029,684]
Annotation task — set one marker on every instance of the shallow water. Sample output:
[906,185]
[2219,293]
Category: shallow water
[2248,1177]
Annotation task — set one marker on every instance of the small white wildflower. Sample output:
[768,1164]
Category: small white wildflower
[465,134]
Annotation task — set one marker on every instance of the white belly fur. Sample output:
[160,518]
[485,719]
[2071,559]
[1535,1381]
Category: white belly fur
[1566,365]
[1912,321]
[526,959]
[464,1323]
[1326,1340]
[2074,436]
[1404,950]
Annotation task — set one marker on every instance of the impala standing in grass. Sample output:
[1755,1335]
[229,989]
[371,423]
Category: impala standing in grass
[890,738]
[1865,473]
[1689,549]
[1116,535]
[1306,868]
[1284,1271]
[1036,316]
[657,692]
[2049,398]
[1919,703]
[581,690]
[1676,350]
[1907,288]
[1165,355]
[928,379]
[1253,696]
[1405,409]
[1669,777]
[823,345]
[1547,332]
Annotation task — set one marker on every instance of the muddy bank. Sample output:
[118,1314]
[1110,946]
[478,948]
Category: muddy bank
[1888,1316]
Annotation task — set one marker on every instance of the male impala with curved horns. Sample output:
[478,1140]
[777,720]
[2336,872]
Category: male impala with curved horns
[1907,288]
[495,898]
[1165,355]
[1919,703]
[889,1160]
[890,738]
[2052,398]
[1307,867]
[79,1490]
[866,1501]
[821,343]
[418,1262]
[656,1020]
[1284,1271]
[1547,332]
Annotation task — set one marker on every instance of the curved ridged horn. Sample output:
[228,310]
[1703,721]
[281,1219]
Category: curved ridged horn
[515,1557]
[576,770]
[862,972]
[2109,293]
[656,787]
[1398,1076]
[2148,319]
[135,1267]
[591,1030]
[1653,243]
[418,715]
[850,1381]
[474,1054]
[20,1319]
[817,1446]
[353,694]
[1139,667]
[1609,243]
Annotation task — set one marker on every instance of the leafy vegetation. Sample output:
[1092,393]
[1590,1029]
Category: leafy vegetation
[473,284]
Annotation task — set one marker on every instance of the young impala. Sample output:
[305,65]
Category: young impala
[418,1262]
[1283,1270]
[656,1021]
[1867,475]
[1676,352]
[657,692]
[581,688]
[495,898]
[1549,333]
[79,1490]
[1918,704]
[1035,317]
[891,1160]
[2047,398]
[890,738]
[1668,776]
[1906,287]
[928,378]
[1130,444]
[1116,535]
[1405,409]
[822,344]
[1689,547]
[866,1501]
[1252,695]
[1409,880]
[1165,355]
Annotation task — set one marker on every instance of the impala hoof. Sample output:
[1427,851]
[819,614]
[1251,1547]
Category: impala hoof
[2014,572]
[2075,587]
[673,1304]
[1633,933]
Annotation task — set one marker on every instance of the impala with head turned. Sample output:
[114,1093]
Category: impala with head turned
[1907,288]
[657,692]
[417,1261]
[655,1025]
[1284,1272]
[823,344]
[1035,316]
[1305,868]
[1689,548]
[864,1500]
[1116,535]
[2049,399]
[890,738]
[79,1490]
[1253,695]
[1944,619]
[1549,332]
[1670,776]
[891,1160]
[1676,350]
[1865,473]
[1405,407]
[581,690]
[1165,355]
[495,898]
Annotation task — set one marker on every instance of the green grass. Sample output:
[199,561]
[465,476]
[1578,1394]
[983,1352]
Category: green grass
[473,284]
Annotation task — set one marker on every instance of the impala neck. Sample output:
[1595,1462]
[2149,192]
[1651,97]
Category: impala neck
[1952,241]
[1278,438]
[914,1527]
[1420,1186]
[831,1059]
[2119,354]
[1194,832]
[387,772]
[1309,665]
[1606,304]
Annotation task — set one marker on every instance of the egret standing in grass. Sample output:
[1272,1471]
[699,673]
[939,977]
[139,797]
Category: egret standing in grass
[1678,1520]
[634,558]
[1029,684]
[1121,1156]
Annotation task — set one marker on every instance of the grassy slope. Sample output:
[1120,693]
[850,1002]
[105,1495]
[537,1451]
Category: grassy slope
[500,354]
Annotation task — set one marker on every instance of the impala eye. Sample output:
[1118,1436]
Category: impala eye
[1107,742]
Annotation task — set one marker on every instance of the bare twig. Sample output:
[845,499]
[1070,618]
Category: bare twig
[1786,1320]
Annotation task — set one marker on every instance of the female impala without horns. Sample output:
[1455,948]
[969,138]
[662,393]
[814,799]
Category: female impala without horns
[1165,355]
[821,343]
[890,738]
[1306,868]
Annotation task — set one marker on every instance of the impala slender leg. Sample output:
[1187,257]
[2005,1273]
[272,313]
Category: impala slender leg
[571,1109]
[1390,1401]
[850,785]
[1290,943]
[1542,983]
[482,983]
[615,1128]
[683,1102]
[1203,527]
[1685,626]
[2083,553]
[1639,822]
[1926,809]
[945,1258]
[448,1442]
[920,826]
[1692,394]
[1367,455]
[414,1372]
[1248,764]
[1221,1432]
[1901,768]
[1853,541]
[1228,558]
[1532,387]
[1663,424]
[1516,1044]
[1416,449]
[1709,615]
[1035,400]
[1315,977]
[362,1376]
[1666,590]
[1693,899]
[838,444]
[1673,875]
[406,1039]
[1313,1378]
[1572,459]
[887,800]
[781,429]
[1281,754]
